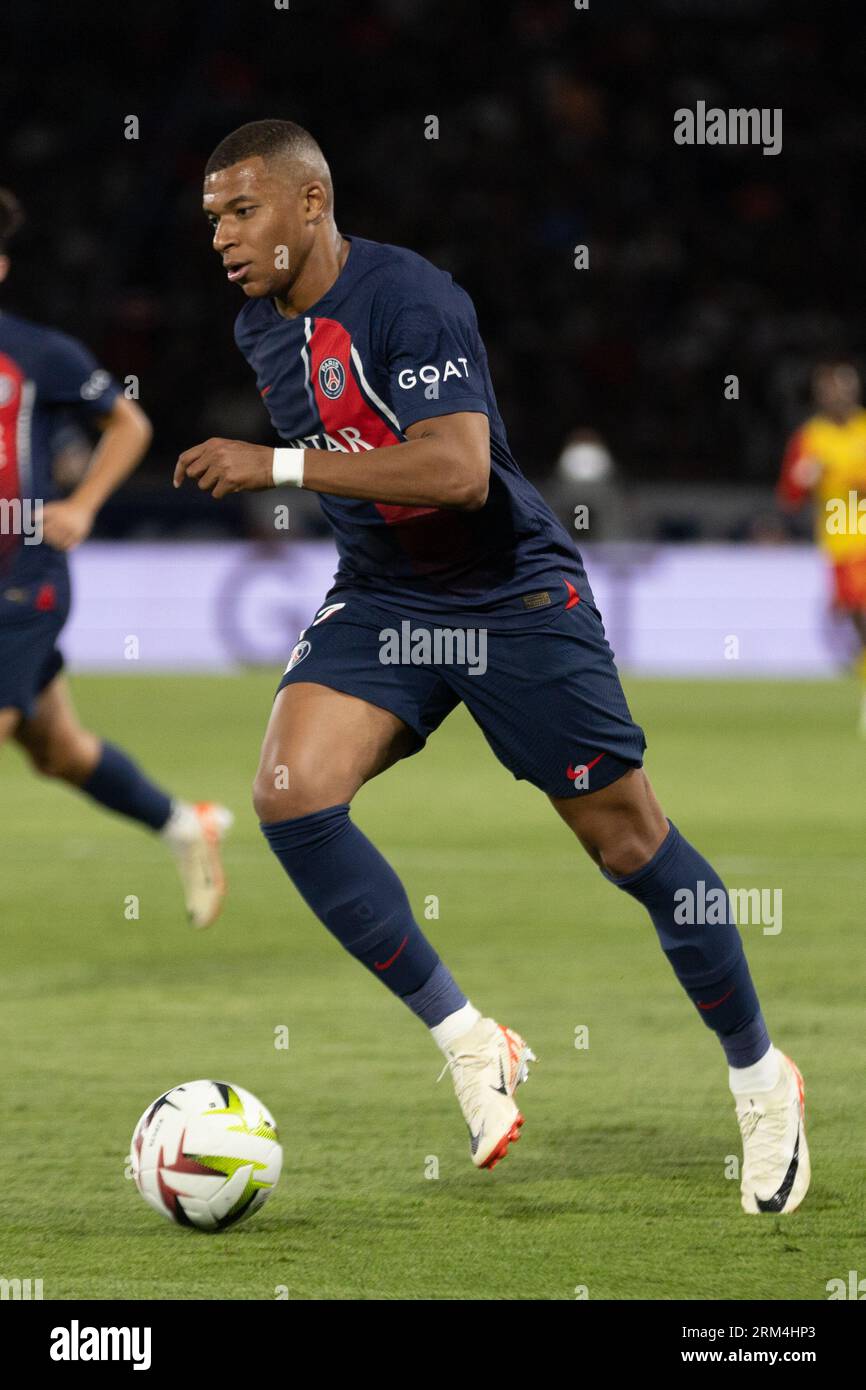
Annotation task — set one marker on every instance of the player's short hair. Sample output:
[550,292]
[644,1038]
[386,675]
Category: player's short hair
[272,140]
[11,217]
[831,365]
[835,364]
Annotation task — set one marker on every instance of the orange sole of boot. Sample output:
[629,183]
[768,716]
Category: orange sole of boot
[204,810]
[502,1147]
[801,1085]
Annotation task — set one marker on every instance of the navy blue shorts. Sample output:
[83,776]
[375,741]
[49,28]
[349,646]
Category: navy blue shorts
[547,698]
[29,657]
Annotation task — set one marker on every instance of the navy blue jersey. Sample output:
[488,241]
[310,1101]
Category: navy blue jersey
[394,341]
[43,375]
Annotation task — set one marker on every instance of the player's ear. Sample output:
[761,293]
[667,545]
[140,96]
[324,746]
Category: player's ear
[4,268]
[315,202]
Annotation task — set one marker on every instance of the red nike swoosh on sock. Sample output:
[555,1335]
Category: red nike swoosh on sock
[716,1002]
[384,965]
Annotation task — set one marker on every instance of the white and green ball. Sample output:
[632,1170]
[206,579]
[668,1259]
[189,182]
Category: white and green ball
[206,1154]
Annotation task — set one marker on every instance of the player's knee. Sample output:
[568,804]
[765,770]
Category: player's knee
[270,802]
[54,759]
[630,842]
[281,792]
[621,827]
[70,756]
[618,844]
[624,853]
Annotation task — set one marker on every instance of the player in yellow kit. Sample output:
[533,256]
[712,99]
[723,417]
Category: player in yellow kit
[826,460]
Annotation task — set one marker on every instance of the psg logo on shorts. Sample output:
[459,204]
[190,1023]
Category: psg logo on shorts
[300,650]
[332,377]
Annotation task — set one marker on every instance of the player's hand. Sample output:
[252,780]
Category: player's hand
[806,472]
[66,524]
[221,466]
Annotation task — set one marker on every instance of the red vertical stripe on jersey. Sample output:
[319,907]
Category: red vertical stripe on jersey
[330,339]
[11,381]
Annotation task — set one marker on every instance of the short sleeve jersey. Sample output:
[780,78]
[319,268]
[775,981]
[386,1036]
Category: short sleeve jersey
[839,450]
[44,376]
[394,341]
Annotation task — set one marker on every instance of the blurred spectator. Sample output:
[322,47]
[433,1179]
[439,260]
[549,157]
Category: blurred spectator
[584,491]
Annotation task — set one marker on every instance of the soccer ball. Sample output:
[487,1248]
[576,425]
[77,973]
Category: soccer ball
[206,1154]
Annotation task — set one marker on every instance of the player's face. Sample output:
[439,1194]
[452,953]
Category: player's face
[837,388]
[262,225]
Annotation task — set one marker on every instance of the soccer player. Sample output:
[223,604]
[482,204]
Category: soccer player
[43,375]
[826,460]
[371,366]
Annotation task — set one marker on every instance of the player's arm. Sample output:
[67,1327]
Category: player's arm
[126,433]
[444,462]
[799,475]
[443,459]
[70,378]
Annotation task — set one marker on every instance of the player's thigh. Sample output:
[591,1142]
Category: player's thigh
[9,721]
[53,736]
[320,746]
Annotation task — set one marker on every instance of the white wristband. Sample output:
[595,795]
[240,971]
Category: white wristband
[289,467]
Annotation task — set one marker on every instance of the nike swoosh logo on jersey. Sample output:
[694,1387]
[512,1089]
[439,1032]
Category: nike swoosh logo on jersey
[325,613]
[783,1192]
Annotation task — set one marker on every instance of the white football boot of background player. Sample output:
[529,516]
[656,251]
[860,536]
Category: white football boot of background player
[193,833]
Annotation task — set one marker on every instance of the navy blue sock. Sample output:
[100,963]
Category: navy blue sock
[118,784]
[700,939]
[354,891]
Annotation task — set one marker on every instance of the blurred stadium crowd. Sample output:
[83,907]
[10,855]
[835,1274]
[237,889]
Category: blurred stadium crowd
[555,129]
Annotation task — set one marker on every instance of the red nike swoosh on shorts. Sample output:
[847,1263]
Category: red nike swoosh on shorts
[716,1002]
[384,964]
[571,772]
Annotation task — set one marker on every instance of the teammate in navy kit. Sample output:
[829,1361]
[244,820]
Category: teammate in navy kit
[455,583]
[43,375]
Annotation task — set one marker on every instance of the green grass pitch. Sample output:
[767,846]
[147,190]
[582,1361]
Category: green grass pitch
[618,1183]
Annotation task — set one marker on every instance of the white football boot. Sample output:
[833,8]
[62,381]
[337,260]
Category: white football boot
[776,1168]
[193,833]
[487,1065]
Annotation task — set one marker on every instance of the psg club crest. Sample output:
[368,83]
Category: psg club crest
[300,650]
[332,377]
